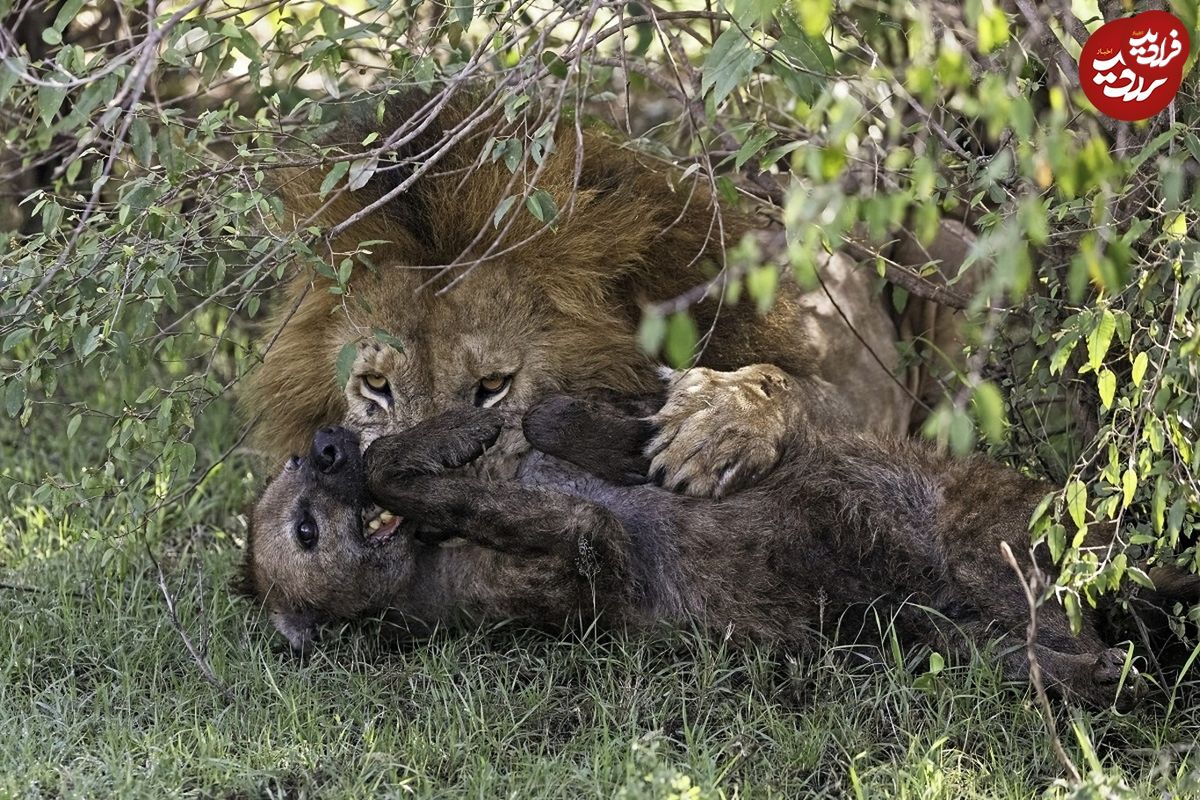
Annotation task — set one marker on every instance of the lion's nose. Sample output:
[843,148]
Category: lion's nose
[330,448]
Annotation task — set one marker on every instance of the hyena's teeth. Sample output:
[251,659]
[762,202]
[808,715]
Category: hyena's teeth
[386,516]
[375,524]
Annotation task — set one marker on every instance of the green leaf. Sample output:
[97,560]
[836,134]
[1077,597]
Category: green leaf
[811,50]
[542,206]
[1139,577]
[732,58]
[361,171]
[90,342]
[388,339]
[1139,368]
[66,14]
[1129,484]
[751,146]
[1056,540]
[775,153]
[1077,502]
[651,333]
[961,432]
[1063,353]
[1158,503]
[142,141]
[503,209]
[10,68]
[73,425]
[1190,139]
[512,154]
[185,457]
[1074,615]
[727,189]
[336,173]
[681,340]
[14,396]
[15,338]
[989,410]
[345,362]
[992,28]
[1106,383]
[464,11]
[761,283]
[331,20]
[554,64]
[1175,516]
[1100,338]
[1155,145]
[50,97]
[1042,507]
[814,15]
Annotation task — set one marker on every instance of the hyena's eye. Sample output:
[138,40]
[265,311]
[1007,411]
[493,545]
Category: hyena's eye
[491,390]
[306,532]
[376,388]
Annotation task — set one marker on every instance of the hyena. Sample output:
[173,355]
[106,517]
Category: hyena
[846,529]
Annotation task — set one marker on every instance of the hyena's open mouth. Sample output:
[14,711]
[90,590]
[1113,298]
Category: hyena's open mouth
[379,526]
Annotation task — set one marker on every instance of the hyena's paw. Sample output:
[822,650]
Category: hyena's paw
[719,431]
[1093,678]
[448,441]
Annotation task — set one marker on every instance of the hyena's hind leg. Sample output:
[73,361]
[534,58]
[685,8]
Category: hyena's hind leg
[600,437]
[1087,670]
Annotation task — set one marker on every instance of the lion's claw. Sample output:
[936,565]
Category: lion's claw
[719,432]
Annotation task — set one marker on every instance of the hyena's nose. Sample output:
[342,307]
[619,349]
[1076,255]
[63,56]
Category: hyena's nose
[330,448]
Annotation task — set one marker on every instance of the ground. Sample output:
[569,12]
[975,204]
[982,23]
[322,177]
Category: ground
[99,698]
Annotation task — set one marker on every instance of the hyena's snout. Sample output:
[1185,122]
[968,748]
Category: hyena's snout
[337,465]
[331,448]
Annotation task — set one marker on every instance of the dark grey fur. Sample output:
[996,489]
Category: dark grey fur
[843,529]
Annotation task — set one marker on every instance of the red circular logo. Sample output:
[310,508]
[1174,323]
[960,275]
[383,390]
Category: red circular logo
[1131,68]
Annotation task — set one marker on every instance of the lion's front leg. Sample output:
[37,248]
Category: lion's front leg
[719,432]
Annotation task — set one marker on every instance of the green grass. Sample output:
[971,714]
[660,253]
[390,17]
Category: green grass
[99,698]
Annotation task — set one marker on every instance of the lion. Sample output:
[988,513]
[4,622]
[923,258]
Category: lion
[557,307]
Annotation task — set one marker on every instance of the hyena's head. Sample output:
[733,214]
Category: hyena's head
[319,549]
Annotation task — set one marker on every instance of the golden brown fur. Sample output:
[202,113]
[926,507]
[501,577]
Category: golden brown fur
[563,306]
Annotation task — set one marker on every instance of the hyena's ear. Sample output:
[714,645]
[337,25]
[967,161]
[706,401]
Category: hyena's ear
[300,629]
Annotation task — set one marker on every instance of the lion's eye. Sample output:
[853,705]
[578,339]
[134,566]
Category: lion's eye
[491,390]
[376,388]
[306,532]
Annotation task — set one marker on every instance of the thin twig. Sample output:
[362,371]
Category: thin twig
[1032,585]
[196,653]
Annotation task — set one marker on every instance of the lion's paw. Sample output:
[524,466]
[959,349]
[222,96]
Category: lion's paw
[719,431]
